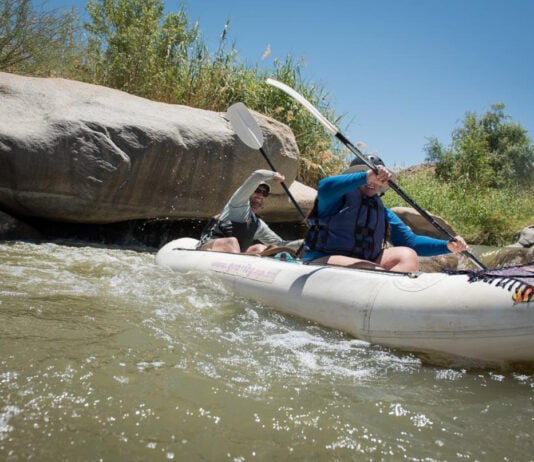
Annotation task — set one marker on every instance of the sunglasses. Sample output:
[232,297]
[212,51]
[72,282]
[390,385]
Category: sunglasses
[262,191]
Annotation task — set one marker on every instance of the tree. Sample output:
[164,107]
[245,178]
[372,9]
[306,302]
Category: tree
[36,42]
[134,48]
[491,151]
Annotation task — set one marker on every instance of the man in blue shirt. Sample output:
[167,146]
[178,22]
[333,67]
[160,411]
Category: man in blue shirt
[350,225]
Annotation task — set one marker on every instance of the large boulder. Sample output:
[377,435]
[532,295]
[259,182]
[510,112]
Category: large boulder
[75,152]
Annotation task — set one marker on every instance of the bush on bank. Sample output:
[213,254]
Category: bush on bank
[484,216]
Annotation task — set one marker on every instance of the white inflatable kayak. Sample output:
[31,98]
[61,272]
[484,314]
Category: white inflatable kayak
[442,316]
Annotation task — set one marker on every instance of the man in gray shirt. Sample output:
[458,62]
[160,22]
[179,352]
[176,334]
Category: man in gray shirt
[238,226]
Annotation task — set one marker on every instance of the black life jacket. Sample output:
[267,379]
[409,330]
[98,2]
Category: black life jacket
[243,232]
[358,229]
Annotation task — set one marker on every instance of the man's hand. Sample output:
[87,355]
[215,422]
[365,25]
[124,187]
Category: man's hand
[381,178]
[278,177]
[458,245]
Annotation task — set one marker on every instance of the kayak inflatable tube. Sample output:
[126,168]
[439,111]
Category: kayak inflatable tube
[440,316]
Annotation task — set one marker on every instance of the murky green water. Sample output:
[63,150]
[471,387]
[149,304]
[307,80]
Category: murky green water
[105,356]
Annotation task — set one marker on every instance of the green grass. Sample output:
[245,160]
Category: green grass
[482,216]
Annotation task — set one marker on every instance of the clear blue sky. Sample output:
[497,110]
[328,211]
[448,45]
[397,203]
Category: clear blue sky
[399,70]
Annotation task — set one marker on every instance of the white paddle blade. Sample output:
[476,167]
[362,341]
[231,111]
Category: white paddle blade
[245,125]
[312,109]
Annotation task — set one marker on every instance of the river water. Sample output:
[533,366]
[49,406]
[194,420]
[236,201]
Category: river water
[106,356]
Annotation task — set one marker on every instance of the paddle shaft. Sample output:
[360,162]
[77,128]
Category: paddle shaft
[407,198]
[286,189]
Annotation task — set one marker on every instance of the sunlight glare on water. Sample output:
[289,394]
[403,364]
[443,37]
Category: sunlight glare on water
[105,355]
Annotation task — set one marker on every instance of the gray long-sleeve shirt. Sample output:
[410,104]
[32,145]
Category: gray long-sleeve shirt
[238,208]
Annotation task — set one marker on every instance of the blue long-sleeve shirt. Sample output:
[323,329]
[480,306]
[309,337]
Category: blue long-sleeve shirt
[330,200]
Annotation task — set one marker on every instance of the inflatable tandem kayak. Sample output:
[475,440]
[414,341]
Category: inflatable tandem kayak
[438,315]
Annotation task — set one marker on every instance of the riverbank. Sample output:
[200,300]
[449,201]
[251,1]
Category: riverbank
[482,216]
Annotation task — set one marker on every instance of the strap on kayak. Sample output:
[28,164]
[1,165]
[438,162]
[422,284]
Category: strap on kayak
[517,279]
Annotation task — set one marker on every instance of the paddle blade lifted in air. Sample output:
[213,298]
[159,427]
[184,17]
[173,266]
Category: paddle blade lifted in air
[249,132]
[245,126]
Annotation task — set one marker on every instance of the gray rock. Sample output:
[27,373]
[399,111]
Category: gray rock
[509,256]
[450,261]
[420,225]
[75,152]
[14,229]
[526,237]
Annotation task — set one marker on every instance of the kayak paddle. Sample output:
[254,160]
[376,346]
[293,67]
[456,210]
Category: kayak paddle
[334,131]
[249,132]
